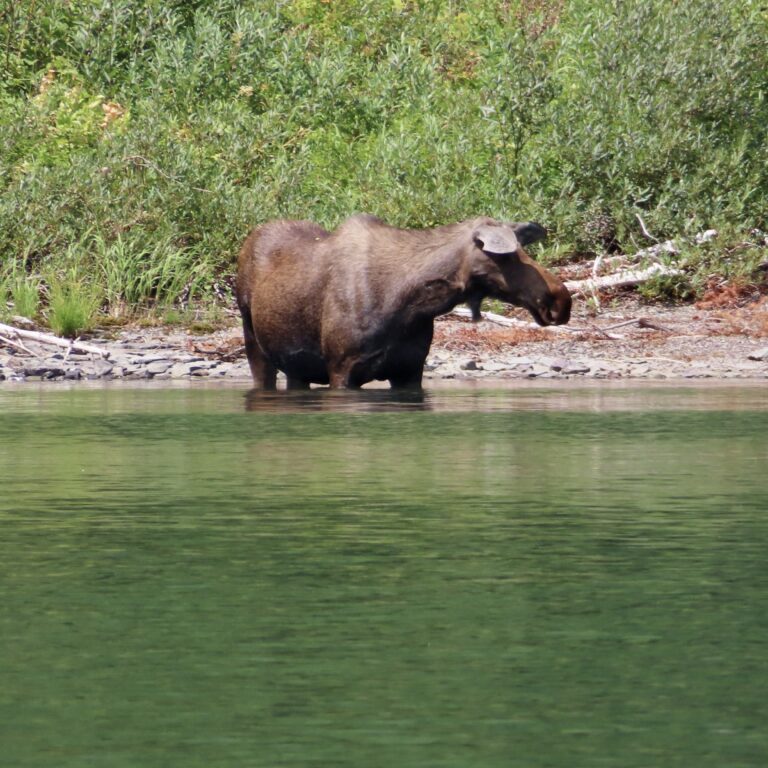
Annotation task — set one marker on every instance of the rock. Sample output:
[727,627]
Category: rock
[493,367]
[48,370]
[22,322]
[179,370]
[135,373]
[98,369]
[759,355]
[149,359]
[470,365]
[520,361]
[158,367]
[239,370]
[573,368]
[202,365]
[559,363]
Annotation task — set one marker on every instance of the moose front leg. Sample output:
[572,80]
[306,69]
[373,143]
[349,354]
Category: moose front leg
[406,361]
[407,380]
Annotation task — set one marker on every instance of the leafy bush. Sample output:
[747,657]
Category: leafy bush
[142,139]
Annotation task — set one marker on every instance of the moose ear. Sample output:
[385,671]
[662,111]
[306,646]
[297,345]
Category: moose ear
[529,232]
[496,240]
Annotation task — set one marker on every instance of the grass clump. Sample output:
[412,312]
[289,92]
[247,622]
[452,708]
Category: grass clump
[25,295]
[73,306]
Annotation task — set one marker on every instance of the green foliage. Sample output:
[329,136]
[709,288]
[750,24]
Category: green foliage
[25,296]
[670,288]
[74,302]
[141,140]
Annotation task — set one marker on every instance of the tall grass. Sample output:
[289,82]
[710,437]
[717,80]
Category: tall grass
[140,139]
[74,302]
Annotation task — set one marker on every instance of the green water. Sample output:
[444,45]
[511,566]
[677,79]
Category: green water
[472,578]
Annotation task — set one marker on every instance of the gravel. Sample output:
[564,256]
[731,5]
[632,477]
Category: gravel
[666,343]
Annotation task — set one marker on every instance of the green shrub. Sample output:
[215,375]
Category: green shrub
[142,139]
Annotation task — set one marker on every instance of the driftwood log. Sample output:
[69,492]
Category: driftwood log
[15,336]
[624,277]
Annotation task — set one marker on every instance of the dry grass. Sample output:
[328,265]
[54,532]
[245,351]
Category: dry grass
[227,348]
[750,320]
[468,338]
[720,295]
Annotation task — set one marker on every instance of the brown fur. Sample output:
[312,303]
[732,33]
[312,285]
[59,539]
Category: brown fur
[358,304]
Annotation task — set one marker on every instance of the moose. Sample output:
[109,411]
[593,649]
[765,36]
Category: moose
[359,303]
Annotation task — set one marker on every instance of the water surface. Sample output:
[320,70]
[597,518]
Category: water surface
[520,577]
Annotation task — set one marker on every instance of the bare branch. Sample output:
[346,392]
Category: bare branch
[16,334]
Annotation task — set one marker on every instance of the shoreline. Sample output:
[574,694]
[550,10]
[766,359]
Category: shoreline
[628,342]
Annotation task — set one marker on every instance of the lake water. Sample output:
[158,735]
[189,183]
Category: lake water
[516,577]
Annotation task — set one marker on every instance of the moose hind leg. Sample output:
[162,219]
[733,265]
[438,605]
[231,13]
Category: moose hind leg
[263,372]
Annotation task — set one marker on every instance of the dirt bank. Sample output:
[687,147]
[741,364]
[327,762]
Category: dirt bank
[625,340]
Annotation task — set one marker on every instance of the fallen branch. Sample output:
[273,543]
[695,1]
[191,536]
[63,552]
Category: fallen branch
[18,345]
[622,324]
[47,338]
[619,279]
[642,322]
[644,229]
[513,322]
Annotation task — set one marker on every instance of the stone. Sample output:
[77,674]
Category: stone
[559,363]
[149,359]
[470,365]
[43,371]
[101,368]
[224,369]
[759,355]
[158,367]
[179,370]
[520,361]
[202,365]
[135,373]
[494,367]
[573,368]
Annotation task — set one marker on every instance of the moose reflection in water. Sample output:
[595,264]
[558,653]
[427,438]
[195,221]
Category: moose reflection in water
[321,400]
[358,304]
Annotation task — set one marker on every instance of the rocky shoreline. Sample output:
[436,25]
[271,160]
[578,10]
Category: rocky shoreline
[630,342]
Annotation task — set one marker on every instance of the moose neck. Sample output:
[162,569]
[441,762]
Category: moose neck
[438,278]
